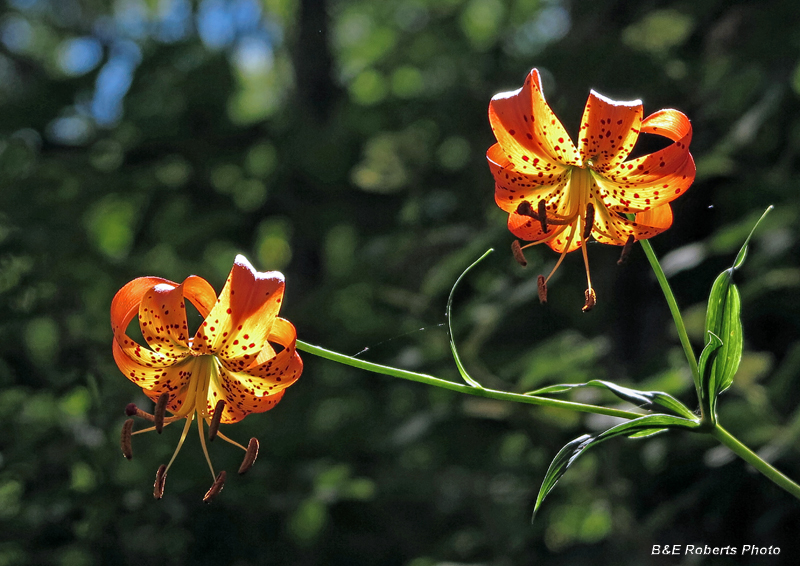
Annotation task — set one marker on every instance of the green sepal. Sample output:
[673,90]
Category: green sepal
[636,428]
[644,399]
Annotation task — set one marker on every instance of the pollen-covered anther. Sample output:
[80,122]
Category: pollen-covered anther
[125,439]
[161,478]
[213,426]
[250,456]
[215,488]
[516,251]
[159,411]
[626,250]
[543,215]
[588,221]
[542,287]
[133,411]
[591,300]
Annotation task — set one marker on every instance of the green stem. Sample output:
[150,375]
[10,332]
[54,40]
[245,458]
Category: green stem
[754,460]
[462,388]
[676,313]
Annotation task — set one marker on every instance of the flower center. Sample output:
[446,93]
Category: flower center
[203,369]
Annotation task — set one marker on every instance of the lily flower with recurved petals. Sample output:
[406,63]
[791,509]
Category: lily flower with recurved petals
[239,361]
[560,195]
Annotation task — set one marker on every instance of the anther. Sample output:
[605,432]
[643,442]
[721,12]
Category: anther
[215,488]
[250,456]
[626,250]
[525,209]
[125,439]
[588,221]
[591,299]
[542,285]
[161,478]
[133,411]
[543,215]
[516,251]
[158,412]
[213,426]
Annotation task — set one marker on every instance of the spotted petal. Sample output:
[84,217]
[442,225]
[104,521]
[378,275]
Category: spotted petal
[531,136]
[238,325]
[609,130]
[155,380]
[512,186]
[655,179]
[612,228]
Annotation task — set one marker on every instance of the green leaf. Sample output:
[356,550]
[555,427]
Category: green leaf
[636,428]
[639,398]
[723,351]
[708,390]
[453,348]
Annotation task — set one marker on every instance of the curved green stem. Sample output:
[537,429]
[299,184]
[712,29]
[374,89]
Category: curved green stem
[754,460]
[462,388]
[676,313]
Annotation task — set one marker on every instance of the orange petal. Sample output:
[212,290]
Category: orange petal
[125,303]
[527,129]
[652,180]
[162,318]
[609,130]
[512,187]
[124,307]
[200,293]
[611,228]
[242,394]
[285,367]
[155,380]
[237,326]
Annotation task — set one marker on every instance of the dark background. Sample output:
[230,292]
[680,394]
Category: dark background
[342,142]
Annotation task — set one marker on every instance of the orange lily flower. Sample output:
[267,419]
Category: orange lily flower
[560,195]
[227,370]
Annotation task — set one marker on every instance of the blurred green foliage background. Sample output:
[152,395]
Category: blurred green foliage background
[342,142]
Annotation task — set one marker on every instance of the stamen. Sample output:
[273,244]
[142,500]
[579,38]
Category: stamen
[229,441]
[125,439]
[160,410]
[588,221]
[203,443]
[516,251]
[216,487]
[591,299]
[213,426]
[626,250]
[542,285]
[161,478]
[543,215]
[181,441]
[250,456]
[133,411]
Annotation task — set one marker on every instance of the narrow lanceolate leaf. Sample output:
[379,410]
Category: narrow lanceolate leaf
[636,428]
[645,399]
[453,348]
